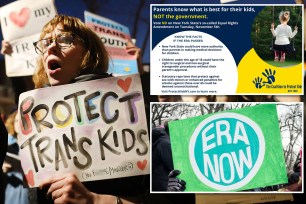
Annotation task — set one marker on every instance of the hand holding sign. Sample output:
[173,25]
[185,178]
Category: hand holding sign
[6,48]
[175,184]
[66,188]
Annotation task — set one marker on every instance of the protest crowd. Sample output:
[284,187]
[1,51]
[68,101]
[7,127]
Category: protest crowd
[69,53]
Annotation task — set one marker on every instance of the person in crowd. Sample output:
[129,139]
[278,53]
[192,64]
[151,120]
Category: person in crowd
[3,149]
[163,173]
[174,183]
[161,159]
[294,182]
[164,176]
[69,53]
[14,191]
[297,167]
[282,33]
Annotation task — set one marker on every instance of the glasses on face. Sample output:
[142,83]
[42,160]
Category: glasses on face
[64,40]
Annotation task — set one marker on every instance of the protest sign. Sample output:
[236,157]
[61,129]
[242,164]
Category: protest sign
[223,50]
[22,62]
[23,18]
[229,151]
[96,129]
[115,38]
[21,24]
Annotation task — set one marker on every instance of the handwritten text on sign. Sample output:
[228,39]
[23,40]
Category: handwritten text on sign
[227,150]
[96,129]
[23,18]
[22,61]
[115,37]
[232,150]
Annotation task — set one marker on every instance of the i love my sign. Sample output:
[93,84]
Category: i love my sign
[23,18]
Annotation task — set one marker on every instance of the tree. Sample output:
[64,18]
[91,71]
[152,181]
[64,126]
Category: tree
[211,108]
[291,130]
[168,111]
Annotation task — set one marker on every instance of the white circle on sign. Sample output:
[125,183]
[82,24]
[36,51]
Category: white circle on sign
[256,166]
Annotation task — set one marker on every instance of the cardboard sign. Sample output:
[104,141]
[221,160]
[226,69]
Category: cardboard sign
[115,37]
[96,129]
[229,151]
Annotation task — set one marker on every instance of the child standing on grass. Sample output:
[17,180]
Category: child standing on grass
[282,33]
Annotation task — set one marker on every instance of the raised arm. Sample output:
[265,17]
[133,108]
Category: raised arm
[272,29]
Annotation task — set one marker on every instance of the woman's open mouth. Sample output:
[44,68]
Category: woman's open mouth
[53,65]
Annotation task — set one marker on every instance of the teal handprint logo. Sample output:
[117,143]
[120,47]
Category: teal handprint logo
[269,75]
[258,83]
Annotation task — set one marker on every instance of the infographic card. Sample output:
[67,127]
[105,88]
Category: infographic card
[226,50]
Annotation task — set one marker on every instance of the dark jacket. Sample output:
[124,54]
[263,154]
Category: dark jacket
[162,162]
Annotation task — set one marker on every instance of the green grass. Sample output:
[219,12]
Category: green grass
[288,63]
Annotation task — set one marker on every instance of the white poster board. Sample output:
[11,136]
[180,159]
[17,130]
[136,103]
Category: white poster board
[96,129]
[21,24]
[22,62]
